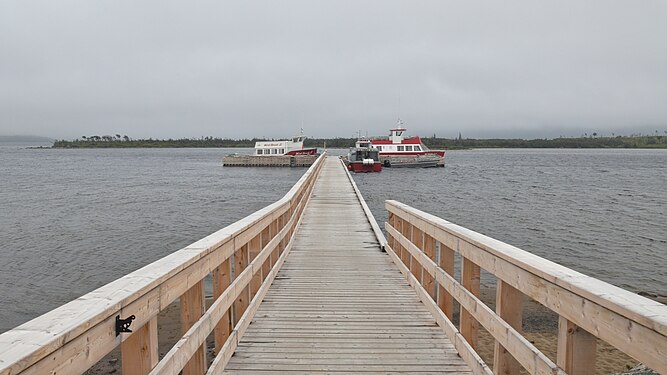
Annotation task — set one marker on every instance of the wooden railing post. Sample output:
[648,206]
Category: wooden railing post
[240,264]
[427,279]
[406,231]
[470,273]
[139,352]
[417,238]
[509,306]
[192,308]
[446,262]
[254,247]
[391,219]
[222,278]
[265,239]
[576,349]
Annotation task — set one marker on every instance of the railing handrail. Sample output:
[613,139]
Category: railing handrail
[38,338]
[647,312]
[642,322]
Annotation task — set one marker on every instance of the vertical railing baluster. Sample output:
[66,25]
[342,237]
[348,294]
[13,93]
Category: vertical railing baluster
[192,308]
[240,264]
[509,306]
[222,278]
[139,352]
[429,250]
[470,274]
[446,262]
[576,349]
[417,239]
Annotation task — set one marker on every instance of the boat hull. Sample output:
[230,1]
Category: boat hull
[412,161]
[414,153]
[365,168]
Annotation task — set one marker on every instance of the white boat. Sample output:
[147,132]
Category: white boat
[363,158]
[289,147]
[397,145]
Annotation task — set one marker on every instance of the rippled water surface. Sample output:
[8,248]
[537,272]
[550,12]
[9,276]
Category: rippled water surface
[600,212]
[73,220]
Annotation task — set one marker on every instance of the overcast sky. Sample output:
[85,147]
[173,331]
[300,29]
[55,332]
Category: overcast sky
[262,68]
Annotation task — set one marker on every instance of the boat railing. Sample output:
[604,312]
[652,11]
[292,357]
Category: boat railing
[424,248]
[242,258]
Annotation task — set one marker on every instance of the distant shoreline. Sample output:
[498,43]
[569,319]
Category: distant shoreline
[618,142]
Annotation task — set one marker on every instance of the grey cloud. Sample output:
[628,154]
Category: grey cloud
[257,68]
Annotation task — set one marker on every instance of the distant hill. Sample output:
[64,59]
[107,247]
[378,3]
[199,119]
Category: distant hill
[25,139]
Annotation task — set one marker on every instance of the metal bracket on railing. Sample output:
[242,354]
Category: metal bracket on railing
[123,325]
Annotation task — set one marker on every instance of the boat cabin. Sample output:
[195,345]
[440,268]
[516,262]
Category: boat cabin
[292,146]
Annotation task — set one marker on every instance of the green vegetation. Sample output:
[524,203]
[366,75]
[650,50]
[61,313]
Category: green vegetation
[637,141]
[592,141]
[119,141]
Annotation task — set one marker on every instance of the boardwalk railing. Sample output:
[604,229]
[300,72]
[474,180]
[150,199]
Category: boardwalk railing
[242,258]
[424,246]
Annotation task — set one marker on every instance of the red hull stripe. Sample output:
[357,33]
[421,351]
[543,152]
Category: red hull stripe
[361,168]
[305,151]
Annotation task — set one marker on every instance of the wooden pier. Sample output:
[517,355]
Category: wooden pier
[269,161]
[339,304]
[310,284]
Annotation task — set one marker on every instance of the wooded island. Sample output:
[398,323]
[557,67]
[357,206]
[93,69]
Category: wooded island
[592,141]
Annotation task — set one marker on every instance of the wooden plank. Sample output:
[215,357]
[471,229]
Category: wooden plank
[78,334]
[140,351]
[576,349]
[222,278]
[192,308]
[470,278]
[509,306]
[254,247]
[417,238]
[644,311]
[521,349]
[338,294]
[240,264]
[427,280]
[631,323]
[446,263]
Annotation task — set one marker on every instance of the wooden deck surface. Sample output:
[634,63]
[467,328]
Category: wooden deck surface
[339,304]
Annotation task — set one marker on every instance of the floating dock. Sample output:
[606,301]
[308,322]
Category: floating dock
[269,161]
[311,285]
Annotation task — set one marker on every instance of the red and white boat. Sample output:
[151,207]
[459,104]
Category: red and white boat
[398,151]
[290,147]
[363,158]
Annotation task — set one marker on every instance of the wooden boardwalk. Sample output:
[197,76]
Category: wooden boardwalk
[304,286]
[339,304]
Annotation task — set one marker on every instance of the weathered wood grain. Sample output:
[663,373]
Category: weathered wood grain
[629,322]
[71,338]
[339,303]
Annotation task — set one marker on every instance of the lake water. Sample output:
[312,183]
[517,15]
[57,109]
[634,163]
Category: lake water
[74,220]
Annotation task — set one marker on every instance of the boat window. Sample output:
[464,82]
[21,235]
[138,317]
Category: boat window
[282,151]
[274,151]
[417,148]
[259,152]
[399,133]
[379,148]
[401,148]
[408,148]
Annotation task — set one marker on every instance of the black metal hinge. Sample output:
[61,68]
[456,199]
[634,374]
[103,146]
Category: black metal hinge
[123,325]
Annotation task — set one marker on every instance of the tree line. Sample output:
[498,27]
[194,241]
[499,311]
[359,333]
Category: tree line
[123,141]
